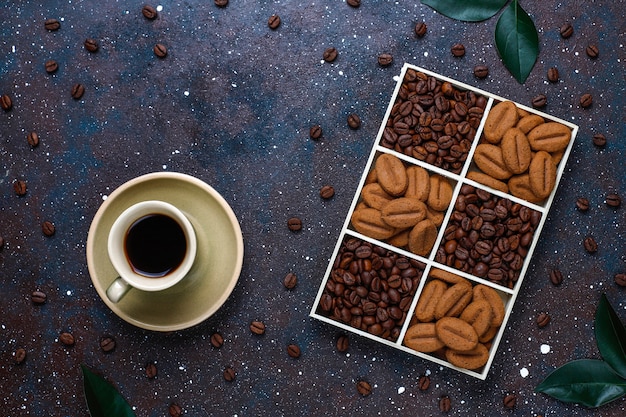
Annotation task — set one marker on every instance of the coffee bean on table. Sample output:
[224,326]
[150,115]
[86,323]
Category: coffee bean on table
[67,339]
[160,50]
[620,279]
[290,281]
[217,340]
[33,139]
[107,343]
[539,101]
[599,140]
[445,404]
[384,60]
[423,383]
[509,401]
[330,54]
[354,3]
[221,3]
[38,297]
[294,224]
[582,204]
[613,200]
[274,21]
[556,277]
[590,244]
[566,30]
[149,12]
[586,100]
[91,45]
[327,192]
[5,102]
[48,228]
[354,121]
[20,355]
[52,24]
[315,132]
[151,370]
[592,51]
[458,50]
[175,410]
[293,350]
[77,91]
[343,343]
[51,66]
[481,71]
[229,374]
[543,319]
[553,75]
[420,29]
[19,186]
[257,327]
[364,388]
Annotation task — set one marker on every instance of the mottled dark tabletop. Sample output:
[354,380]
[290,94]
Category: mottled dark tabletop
[232,104]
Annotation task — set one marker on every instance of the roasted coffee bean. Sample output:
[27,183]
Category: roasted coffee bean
[384,60]
[343,343]
[590,244]
[423,383]
[19,355]
[107,343]
[52,24]
[458,50]
[420,29]
[509,401]
[613,200]
[67,339]
[221,3]
[481,71]
[257,327]
[586,100]
[217,340]
[77,91]
[5,102]
[19,186]
[229,374]
[160,50]
[353,3]
[592,51]
[539,101]
[543,319]
[294,224]
[38,297]
[91,45]
[364,388]
[330,54]
[274,21]
[566,30]
[175,410]
[582,204]
[293,350]
[327,192]
[290,281]
[620,279]
[556,277]
[33,139]
[151,370]
[354,121]
[553,75]
[51,66]
[599,140]
[149,12]
[444,404]
[315,132]
[48,228]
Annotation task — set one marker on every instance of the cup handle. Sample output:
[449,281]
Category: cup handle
[118,289]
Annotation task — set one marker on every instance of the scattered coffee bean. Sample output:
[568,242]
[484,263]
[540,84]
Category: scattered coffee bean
[107,343]
[543,319]
[327,192]
[384,60]
[553,75]
[481,71]
[175,410]
[5,102]
[38,297]
[151,370]
[217,340]
[20,355]
[257,327]
[354,121]
[509,401]
[293,350]
[423,383]
[353,3]
[364,388]
[52,24]
[294,224]
[48,228]
[229,374]
[290,281]
[221,3]
[567,30]
[599,140]
[51,66]
[343,343]
[539,101]
[330,54]
[556,277]
[91,45]
[274,21]
[620,279]
[33,139]
[444,404]
[67,339]
[19,186]
[149,12]
[458,50]
[160,50]
[420,29]
[582,204]
[590,244]
[315,132]
[586,100]
[77,91]
[613,200]
[592,51]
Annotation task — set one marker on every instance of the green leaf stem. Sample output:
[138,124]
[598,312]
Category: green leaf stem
[611,336]
[589,382]
[468,10]
[103,400]
[517,41]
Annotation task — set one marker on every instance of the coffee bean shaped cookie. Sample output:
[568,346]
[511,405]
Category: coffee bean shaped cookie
[488,181]
[422,337]
[479,314]
[489,159]
[440,193]
[529,122]
[549,137]
[454,300]
[422,237]
[516,151]
[447,277]
[432,292]
[374,196]
[471,359]
[403,212]
[519,186]
[502,117]
[418,183]
[391,174]
[483,292]
[456,334]
[542,174]
[369,222]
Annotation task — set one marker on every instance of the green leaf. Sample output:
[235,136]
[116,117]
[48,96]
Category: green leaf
[468,10]
[589,382]
[517,41]
[103,400]
[611,336]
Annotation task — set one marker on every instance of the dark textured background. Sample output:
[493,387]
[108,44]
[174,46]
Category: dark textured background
[232,104]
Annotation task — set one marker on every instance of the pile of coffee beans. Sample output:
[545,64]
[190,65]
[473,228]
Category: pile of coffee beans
[370,288]
[433,121]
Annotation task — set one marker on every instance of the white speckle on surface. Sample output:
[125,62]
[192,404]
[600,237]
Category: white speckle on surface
[104,197]
[68,292]
[545,349]
[159,8]
[186,93]
[401,390]
[523,372]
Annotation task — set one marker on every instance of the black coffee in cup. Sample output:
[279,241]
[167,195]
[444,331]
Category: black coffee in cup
[155,245]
